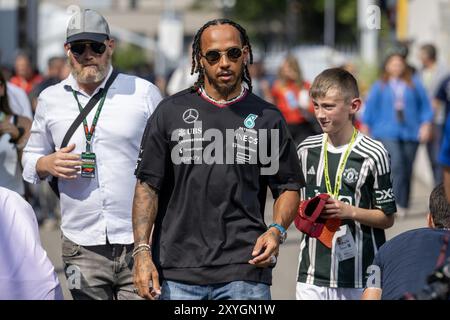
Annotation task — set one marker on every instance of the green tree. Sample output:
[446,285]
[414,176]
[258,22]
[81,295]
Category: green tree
[128,57]
[269,20]
[346,16]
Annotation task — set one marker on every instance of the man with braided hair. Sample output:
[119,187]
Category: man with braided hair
[197,66]
[207,157]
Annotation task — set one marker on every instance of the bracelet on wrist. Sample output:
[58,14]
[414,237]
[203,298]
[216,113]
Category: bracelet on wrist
[141,247]
[139,251]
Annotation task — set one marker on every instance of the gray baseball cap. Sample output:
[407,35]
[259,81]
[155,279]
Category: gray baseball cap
[87,24]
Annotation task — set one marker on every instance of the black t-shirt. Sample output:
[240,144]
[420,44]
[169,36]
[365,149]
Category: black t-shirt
[206,162]
[406,261]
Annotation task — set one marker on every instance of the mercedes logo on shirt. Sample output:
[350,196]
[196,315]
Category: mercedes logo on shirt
[190,115]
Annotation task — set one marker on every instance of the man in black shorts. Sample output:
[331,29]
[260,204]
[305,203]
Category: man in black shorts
[207,157]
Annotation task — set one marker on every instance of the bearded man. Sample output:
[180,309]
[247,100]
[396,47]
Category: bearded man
[95,169]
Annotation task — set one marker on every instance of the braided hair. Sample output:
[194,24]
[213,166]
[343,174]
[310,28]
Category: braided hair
[196,52]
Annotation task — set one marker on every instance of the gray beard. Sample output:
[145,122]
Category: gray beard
[98,77]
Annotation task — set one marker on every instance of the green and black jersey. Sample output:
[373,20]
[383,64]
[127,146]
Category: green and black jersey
[366,183]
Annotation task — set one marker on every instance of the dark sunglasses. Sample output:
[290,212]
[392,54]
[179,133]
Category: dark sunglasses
[78,48]
[213,56]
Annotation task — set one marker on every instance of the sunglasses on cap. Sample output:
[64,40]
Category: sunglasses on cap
[78,48]
[213,56]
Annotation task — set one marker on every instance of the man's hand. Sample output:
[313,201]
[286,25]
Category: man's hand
[145,276]
[266,246]
[60,164]
[145,209]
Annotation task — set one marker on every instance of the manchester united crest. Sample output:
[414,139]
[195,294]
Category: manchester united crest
[350,175]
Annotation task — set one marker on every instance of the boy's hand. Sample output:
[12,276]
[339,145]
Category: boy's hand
[337,209]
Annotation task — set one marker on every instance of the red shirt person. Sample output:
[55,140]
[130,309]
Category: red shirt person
[25,77]
[291,95]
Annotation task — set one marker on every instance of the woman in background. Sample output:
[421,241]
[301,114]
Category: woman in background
[291,95]
[399,114]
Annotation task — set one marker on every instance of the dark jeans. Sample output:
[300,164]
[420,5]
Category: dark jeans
[402,155]
[101,272]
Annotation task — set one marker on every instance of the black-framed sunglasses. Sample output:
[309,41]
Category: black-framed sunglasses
[78,48]
[213,56]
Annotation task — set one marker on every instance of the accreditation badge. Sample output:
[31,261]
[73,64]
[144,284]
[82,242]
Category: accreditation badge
[88,166]
[399,111]
[345,244]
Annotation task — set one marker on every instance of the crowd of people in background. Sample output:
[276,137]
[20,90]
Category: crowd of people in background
[418,96]
[24,85]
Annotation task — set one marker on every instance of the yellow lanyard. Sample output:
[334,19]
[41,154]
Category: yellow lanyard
[341,166]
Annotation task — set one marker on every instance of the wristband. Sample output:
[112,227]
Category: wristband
[283,232]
